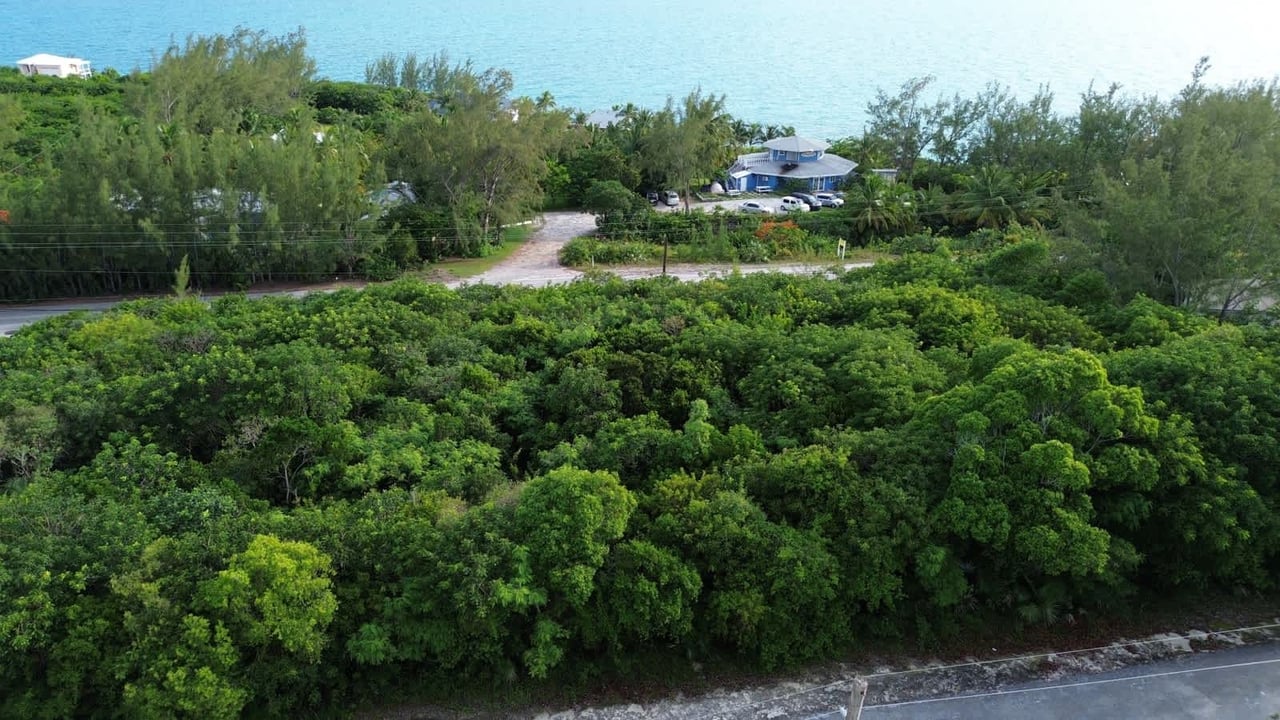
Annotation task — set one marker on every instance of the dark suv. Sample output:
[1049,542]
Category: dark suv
[813,202]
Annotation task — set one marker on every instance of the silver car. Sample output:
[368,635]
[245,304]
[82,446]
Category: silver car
[753,207]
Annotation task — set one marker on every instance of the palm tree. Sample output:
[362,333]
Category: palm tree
[634,124]
[776,131]
[746,134]
[931,206]
[994,198]
[880,207]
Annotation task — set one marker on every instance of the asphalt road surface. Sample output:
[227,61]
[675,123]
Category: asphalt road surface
[536,263]
[1236,684]
[16,316]
[13,317]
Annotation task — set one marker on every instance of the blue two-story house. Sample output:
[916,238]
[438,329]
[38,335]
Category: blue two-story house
[789,158]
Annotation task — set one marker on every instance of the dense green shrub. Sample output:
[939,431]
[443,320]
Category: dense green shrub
[918,243]
[291,507]
[359,98]
[584,251]
[299,505]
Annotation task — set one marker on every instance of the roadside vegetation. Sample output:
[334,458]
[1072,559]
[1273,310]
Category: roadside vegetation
[232,154]
[1055,404]
[511,240]
[283,507]
[1177,199]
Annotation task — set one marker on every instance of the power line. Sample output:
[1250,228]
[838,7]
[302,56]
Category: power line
[15,304]
[16,227]
[24,163]
[215,240]
[228,273]
[213,245]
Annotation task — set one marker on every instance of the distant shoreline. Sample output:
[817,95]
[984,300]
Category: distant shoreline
[818,77]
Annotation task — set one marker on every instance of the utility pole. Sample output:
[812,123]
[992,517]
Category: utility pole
[665,243]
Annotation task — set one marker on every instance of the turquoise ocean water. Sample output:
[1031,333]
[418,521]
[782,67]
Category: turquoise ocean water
[811,65]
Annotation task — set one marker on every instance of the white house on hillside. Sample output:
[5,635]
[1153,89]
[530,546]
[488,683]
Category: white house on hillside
[56,65]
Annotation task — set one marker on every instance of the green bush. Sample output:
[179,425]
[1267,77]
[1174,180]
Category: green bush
[979,240]
[918,243]
[583,251]
[359,98]
[752,249]
[719,247]
[301,505]
[379,268]
[833,222]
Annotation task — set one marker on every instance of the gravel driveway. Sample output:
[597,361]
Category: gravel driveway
[537,262]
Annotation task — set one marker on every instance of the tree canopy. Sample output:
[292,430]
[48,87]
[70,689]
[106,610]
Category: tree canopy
[297,505]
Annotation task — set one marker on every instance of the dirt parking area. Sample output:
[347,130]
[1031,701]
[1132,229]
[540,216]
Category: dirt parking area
[537,262]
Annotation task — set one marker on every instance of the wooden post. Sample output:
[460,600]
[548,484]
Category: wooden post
[856,697]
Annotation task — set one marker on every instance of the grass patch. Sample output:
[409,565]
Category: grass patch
[590,251]
[852,255]
[512,238]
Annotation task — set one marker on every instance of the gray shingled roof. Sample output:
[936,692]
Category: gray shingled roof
[825,166]
[796,144]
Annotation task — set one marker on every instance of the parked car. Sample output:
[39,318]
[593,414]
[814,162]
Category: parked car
[652,197]
[791,203]
[813,202]
[753,207]
[671,198]
[830,200]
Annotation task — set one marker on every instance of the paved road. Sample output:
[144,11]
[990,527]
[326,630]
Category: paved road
[535,264]
[13,317]
[1237,684]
